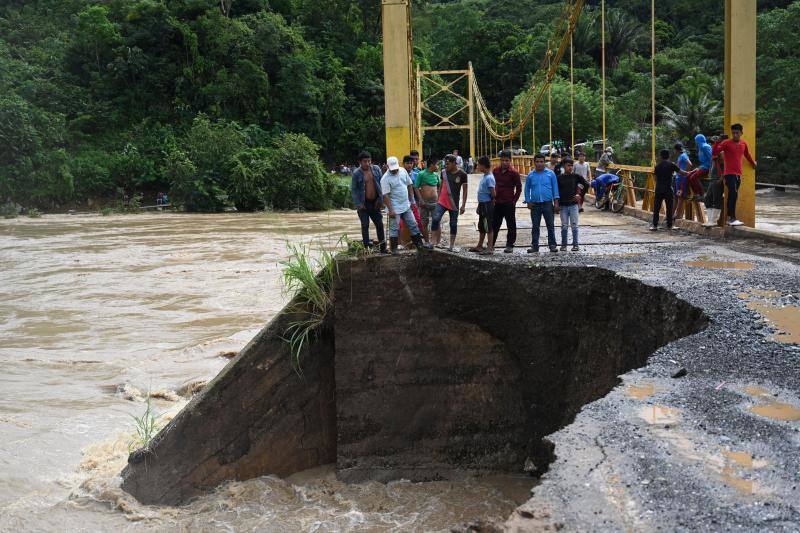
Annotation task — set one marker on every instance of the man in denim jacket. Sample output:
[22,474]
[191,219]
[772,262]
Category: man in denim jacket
[367,197]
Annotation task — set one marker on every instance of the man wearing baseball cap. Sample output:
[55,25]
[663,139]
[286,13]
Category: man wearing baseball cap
[397,194]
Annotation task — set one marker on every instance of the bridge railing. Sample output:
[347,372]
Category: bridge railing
[639,184]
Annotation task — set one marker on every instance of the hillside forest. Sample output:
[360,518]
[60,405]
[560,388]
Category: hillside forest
[250,103]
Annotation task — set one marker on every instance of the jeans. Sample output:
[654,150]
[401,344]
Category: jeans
[408,220]
[507,211]
[374,214]
[666,196]
[732,181]
[437,219]
[426,212]
[569,217]
[544,209]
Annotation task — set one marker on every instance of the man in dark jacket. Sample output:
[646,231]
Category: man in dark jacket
[367,197]
[508,187]
[568,207]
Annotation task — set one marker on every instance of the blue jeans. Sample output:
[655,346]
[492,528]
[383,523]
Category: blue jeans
[569,219]
[408,218]
[544,209]
[437,219]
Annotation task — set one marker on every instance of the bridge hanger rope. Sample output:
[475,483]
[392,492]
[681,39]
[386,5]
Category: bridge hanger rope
[496,130]
[504,130]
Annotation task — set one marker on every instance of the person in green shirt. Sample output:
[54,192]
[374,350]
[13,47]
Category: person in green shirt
[426,187]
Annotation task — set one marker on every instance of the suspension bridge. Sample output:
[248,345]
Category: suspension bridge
[409,92]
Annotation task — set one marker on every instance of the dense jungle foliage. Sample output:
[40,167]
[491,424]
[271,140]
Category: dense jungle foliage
[247,102]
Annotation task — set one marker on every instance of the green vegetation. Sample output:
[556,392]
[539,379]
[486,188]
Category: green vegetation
[107,99]
[243,103]
[8,210]
[506,41]
[309,281]
[147,427]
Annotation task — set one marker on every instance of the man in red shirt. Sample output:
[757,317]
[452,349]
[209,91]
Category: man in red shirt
[508,187]
[732,151]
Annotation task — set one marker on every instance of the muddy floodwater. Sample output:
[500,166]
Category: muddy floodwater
[98,313]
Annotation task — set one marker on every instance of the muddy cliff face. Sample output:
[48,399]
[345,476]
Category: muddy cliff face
[446,364]
[429,365]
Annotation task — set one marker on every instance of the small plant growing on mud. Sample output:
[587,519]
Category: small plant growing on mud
[34,213]
[309,281]
[146,427]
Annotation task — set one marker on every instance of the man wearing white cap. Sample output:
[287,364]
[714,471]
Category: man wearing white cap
[397,193]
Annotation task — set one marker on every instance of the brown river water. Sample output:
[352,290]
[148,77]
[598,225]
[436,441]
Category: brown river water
[98,312]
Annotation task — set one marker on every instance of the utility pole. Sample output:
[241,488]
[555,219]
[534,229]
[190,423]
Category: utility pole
[740,93]
[398,78]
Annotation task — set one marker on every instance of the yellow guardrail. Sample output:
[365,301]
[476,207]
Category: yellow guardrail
[691,210]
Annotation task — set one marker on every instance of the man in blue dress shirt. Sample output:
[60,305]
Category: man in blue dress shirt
[541,196]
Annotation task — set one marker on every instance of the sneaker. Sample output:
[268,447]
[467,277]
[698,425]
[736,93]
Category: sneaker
[533,250]
[674,228]
[563,247]
[734,222]
[575,248]
[653,228]
[508,250]
[554,250]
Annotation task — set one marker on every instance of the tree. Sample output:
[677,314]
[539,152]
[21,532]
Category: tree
[695,113]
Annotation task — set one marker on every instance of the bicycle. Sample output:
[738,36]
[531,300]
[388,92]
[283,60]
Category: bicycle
[614,198]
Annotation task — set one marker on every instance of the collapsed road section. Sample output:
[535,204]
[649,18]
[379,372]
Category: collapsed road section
[428,366]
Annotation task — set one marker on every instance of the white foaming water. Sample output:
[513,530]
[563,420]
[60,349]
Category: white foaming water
[98,313]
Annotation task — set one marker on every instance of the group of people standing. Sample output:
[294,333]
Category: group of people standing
[419,196]
[677,182]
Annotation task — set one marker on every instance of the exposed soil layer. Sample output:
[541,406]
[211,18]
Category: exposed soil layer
[466,365]
[430,365]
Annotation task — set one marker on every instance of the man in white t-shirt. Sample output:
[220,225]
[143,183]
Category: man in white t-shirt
[398,191]
[582,169]
[459,160]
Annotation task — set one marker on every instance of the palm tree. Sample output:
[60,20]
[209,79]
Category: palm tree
[623,35]
[695,113]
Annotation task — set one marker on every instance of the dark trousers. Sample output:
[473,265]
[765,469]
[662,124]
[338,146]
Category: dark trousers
[544,209]
[665,196]
[732,181]
[374,214]
[507,212]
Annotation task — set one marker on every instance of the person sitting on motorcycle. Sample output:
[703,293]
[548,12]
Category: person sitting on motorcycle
[601,182]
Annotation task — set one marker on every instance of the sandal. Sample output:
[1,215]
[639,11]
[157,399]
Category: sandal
[476,249]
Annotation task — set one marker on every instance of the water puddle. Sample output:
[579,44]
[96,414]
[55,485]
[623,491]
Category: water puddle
[641,392]
[659,415]
[720,265]
[729,477]
[785,319]
[732,475]
[770,407]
